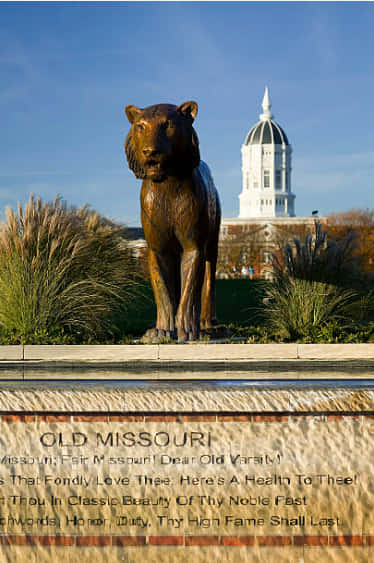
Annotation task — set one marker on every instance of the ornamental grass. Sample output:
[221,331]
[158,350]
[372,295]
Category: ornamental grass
[315,284]
[62,270]
[300,308]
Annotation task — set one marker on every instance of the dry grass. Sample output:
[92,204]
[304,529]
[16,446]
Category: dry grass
[315,284]
[298,308]
[62,268]
[319,259]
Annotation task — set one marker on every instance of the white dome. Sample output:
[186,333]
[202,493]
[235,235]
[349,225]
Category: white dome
[266,133]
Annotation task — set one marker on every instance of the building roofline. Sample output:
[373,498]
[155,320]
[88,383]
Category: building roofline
[259,220]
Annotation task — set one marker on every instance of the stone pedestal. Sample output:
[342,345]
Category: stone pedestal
[180,461]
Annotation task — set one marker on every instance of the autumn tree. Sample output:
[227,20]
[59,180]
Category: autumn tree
[360,223]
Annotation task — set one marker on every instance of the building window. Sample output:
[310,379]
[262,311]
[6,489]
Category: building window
[266,178]
[266,258]
[287,181]
[278,180]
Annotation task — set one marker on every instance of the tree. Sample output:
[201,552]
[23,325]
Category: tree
[360,223]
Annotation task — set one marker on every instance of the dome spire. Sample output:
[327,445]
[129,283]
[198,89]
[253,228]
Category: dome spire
[266,105]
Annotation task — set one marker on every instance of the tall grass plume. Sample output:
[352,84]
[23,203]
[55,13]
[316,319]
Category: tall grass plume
[315,283]
[62,269]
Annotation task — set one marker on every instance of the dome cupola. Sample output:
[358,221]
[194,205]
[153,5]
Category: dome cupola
[266,131]
[266,169]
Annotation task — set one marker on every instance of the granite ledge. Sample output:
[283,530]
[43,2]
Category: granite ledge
[186,352]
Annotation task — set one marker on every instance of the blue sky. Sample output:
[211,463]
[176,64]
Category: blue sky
[67,70]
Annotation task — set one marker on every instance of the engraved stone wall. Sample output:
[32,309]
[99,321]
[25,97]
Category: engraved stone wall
[280,484]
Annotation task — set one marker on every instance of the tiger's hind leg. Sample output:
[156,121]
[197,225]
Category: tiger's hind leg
[208,297]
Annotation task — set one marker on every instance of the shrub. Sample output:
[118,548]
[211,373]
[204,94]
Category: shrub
[314,286]
[320,259]
[62,269]
[299,308]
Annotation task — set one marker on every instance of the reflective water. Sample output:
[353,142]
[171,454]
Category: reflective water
[254,374]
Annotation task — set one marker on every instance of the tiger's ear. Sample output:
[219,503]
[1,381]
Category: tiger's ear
[133,113]
[188,109]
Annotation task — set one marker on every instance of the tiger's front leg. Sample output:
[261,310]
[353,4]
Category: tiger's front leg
[160,268]
[192,277]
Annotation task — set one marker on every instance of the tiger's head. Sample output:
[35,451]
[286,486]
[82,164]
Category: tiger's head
[162,141]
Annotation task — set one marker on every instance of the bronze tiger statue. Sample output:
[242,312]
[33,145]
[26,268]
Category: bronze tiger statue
[180,213]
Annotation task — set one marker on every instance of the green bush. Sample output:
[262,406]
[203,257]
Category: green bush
[63,271]
[315,285]
[320,259]
[331,332]
[299,308]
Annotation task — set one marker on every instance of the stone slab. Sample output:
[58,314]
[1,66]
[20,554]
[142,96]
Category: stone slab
[227,351]
[149,373]
[325,460]
[345,554]
[98,397]
[335,351]
[246,418]
[162,396]
[11,353]
[120,353]
[186,352]
[338,400]
[187,480]
[201,554]
[160,554]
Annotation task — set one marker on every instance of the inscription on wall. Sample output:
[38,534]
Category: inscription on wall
[300,477]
